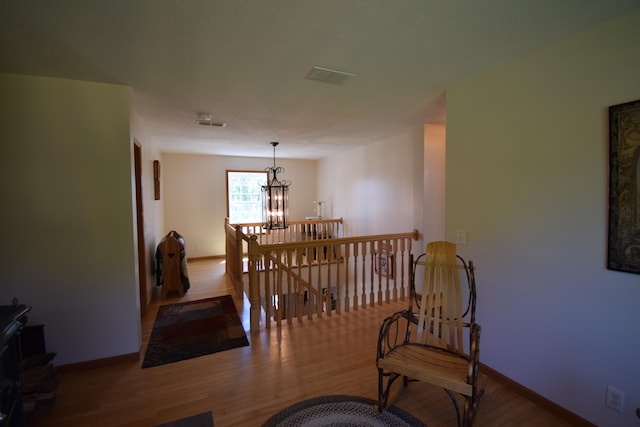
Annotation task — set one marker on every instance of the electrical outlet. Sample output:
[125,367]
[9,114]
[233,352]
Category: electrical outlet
[615,399]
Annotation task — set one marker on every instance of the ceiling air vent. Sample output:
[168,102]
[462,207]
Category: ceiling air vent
[328,76]
[207,120]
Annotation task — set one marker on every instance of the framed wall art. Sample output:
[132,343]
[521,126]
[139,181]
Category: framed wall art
[156,179]
[624,187]
[384,262]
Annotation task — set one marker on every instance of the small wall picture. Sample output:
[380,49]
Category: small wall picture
[156,179]
[384,261]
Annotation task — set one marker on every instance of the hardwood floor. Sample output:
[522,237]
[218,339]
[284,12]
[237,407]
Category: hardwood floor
[245,386]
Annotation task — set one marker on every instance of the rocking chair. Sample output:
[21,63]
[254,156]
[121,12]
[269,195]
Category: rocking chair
[426,341]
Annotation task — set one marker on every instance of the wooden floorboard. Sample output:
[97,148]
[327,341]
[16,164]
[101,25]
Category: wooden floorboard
[247,385]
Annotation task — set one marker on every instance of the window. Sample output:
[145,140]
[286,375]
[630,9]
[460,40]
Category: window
[244,199]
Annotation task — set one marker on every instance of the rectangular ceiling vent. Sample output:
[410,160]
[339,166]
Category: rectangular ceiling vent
[207,120]
[210,123]
[327,75]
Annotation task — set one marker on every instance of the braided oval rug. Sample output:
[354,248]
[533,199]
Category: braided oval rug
[341,411]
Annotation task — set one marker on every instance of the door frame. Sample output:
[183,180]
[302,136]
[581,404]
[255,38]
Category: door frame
[142,251]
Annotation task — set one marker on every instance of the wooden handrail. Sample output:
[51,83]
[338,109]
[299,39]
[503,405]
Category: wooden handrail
[312,227]
[326,242]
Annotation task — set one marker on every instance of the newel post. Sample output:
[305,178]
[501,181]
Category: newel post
[254,283]
[227,245]
[237,266]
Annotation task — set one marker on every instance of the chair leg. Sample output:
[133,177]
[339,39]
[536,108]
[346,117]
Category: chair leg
[470,409]
[381,400]
[455,405]
[383,391]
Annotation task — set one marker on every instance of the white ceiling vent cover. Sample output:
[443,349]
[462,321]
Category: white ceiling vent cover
[207,120]
[327,75]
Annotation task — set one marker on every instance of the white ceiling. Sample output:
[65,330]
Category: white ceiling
[245,61]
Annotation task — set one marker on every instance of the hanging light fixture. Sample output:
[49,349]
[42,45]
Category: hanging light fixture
[275,197]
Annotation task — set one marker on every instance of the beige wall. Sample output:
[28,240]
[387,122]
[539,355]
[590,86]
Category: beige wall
[434,181]
[194,195]
[526,175]
[373,188]
[67,216]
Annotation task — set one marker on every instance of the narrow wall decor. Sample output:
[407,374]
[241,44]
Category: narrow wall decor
[156,179]
[384,261]
[624,187]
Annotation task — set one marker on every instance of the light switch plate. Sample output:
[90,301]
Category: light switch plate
[461,237]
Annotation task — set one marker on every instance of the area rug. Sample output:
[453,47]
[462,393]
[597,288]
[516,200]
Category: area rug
[343,411]
[201,420]
[192,329]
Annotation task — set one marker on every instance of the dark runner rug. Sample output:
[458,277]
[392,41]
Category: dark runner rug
[192,329]
[343,411]
[201,420]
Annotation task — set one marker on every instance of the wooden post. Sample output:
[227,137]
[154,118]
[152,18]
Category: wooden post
[254,284]
[237,266]
[227,246]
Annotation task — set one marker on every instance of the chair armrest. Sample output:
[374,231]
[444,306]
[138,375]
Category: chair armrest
[389,335]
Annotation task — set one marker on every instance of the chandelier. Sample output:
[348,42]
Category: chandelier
[275,197]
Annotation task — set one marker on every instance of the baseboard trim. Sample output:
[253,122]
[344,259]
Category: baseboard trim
[554,408]
[201,258]
[98,363]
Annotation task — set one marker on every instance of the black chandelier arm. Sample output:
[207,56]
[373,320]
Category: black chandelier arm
[273,173]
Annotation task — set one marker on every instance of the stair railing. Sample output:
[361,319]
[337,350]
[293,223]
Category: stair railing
[322,277]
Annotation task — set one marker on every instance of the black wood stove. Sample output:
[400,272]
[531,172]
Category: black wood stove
[12,320]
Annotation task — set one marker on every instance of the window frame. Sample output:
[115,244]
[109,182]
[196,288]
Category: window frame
[263,181]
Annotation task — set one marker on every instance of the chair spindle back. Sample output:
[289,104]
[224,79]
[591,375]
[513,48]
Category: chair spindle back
[440,315]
